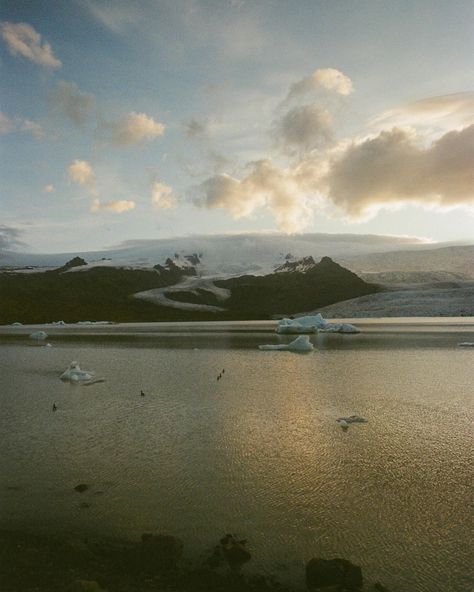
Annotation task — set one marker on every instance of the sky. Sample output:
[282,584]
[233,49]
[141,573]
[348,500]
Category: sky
[154,119]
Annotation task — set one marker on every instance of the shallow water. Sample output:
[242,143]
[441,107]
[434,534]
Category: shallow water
[259,452]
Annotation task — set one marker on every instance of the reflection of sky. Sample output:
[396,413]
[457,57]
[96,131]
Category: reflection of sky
[258,452]
[226,65]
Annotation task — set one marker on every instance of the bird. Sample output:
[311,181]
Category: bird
[54,407]
[142,393]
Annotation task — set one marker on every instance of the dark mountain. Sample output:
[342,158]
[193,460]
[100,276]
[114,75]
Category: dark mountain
[106,293]
[297,286]
[98,293]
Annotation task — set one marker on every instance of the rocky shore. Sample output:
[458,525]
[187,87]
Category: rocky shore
[33,563]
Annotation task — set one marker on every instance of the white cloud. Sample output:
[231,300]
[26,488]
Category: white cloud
[117,206]
[162,196]
[303,128]
[23,40]
[69,101]
[391,170]
[33,128]
[48,188]
[329,79]
[81,172]
[6,124]
[394,169]
[265,186]
[441,112]
[133,129]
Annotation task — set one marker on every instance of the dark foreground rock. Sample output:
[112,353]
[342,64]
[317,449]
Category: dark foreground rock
[339,573]
[31,563]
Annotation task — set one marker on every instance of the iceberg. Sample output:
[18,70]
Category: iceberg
[39,335]
[339,328]
[75,374]
[300,344]
[311,324]
[307,324]
[466,344]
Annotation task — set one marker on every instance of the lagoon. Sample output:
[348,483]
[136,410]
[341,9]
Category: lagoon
[259,452]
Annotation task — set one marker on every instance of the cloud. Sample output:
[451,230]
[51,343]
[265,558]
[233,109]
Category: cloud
[135,128]
[194,128]
[329,79]
[392,169]
[162,196]
[69,101]
[266,186]
[33,128]
[8,126]
[117,206]
[81,172]
[10,238]
[23,40]
[48,188]
[356,179]
[443,112]
[303,128]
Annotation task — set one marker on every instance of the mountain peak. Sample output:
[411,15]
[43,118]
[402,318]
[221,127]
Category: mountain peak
[300,265]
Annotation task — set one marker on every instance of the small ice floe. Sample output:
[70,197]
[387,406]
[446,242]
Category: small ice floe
[48,345]
[17,324]
[307,324]
[312,324]
[58,323]
[466,344]
[39,336]
[339,328]
[300,344]
[344,425]
[351,419]
[75,374]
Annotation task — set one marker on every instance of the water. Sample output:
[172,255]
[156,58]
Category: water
[257,453]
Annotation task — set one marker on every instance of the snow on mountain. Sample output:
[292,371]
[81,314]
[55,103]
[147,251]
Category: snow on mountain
[256,254]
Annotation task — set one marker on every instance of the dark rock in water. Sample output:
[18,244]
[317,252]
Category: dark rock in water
[161,551]
[75,262]
[81,487]
[322,573]
[236,556]
[379,588]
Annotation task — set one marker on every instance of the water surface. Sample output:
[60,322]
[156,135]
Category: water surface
[258,452]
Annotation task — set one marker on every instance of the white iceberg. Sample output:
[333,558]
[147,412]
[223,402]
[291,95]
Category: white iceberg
[339,328]
[311,324]
[39,335]
[75,374]
[300,344]
[307,324]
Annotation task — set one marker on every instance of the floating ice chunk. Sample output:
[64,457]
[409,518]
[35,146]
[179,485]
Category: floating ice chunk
[94,322]
[300,344]
[17,324]
[466,344]
[307,324]
[39,335]
[58,323]
[48,345]
[75,374]
[351,419]
[339,328]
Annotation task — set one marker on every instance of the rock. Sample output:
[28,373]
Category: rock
[161,551]
[75,262]
[321,573]
[379,588]
[81,487]
[236,556]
